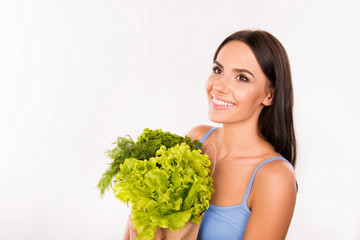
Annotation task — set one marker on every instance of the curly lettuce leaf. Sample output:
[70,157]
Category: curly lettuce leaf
[167,190]
[148,142]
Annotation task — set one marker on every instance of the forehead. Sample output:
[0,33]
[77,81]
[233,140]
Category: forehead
[237,54]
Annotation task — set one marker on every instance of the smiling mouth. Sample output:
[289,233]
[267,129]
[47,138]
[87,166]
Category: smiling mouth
[221,103]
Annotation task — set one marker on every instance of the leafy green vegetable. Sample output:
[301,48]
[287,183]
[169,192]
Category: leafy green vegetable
[167,190]
[144,148]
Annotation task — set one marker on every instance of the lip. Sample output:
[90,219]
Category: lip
[221,99]
[220,107]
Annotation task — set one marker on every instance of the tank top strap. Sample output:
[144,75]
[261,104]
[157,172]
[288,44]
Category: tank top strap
[206,136]
[246,195]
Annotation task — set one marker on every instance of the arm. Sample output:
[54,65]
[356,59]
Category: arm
[127,229]
[273,202]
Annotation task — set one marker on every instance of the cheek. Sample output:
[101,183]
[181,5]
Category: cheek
[246,96]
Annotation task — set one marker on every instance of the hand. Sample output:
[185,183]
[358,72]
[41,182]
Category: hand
[131,234]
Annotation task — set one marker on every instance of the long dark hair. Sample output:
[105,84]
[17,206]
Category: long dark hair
[275,121]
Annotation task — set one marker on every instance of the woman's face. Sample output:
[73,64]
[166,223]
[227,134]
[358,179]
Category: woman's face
[236,88]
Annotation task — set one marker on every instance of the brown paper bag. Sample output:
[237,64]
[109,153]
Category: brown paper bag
[188,232]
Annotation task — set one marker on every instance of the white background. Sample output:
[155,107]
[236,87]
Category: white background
[76,74]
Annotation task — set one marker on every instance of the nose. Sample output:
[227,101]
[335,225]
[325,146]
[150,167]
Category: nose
[221,85]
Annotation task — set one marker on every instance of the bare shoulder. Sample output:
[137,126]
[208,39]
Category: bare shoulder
[198,131]
[276,176]
[274,201]
[278,170]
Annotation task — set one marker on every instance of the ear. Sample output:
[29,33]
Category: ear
[269,98]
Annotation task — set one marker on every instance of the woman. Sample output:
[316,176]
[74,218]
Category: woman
[250,92]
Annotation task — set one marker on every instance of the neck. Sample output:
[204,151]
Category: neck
[243,139]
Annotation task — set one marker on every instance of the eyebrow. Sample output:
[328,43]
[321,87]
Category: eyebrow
[236,69]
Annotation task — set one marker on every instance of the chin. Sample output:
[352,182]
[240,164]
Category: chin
[217,119]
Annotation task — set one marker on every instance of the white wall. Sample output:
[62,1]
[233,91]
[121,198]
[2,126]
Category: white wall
[77,74]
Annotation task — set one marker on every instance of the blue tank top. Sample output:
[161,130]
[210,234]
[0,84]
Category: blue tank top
[227,222]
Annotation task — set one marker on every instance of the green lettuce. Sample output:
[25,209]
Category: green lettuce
[167,190]
[148,142]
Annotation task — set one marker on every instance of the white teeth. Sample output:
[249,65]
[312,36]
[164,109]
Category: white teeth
[218,102]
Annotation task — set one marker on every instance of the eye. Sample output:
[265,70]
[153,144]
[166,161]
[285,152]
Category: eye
[217,70]
[242,78]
